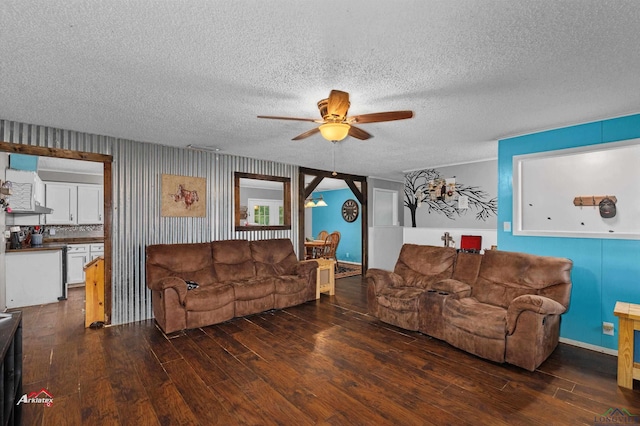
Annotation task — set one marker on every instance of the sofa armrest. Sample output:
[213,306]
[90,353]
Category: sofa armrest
[305,268]
[380,279]
[534,303]
[454,287]
[178,284]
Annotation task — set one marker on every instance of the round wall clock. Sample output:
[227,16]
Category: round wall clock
[350,210]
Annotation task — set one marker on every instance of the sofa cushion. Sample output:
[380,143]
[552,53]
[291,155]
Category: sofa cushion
[232,260]
[273,258]
[289,284]
[209,297]
[476,318]
[186,261]
[452,286]
[254,288]
[467,267]
[400,298]
[506,275]
[421,266]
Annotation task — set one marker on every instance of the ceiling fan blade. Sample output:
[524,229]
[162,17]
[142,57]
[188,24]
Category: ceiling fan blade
[378,117]
[306,134]
[358,133]
[338,104]
[271,117]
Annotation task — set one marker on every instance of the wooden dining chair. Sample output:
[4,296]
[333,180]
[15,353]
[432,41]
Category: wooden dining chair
[322,235]
[331,247]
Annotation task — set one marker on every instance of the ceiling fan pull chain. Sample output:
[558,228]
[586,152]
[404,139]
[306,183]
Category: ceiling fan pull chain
[334,158]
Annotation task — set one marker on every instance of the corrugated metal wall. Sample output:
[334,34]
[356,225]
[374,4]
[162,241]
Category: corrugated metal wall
[137,171]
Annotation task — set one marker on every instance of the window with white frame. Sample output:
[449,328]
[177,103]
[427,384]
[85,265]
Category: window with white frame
[265,212]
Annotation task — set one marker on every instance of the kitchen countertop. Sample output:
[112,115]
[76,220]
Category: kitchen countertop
[46,246]
[74,240]
[57,244]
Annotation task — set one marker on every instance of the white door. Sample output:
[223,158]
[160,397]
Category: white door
[385,207]
[385,236]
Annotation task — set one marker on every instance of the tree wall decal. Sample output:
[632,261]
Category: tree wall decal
[416,194]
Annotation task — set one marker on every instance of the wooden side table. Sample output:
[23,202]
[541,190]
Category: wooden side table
[326,278]
[628,322]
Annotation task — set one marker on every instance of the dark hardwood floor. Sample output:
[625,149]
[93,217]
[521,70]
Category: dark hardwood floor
[324,362]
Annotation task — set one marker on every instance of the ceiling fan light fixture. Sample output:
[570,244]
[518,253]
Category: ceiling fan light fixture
[334,131]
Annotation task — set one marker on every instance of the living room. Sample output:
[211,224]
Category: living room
[590,110]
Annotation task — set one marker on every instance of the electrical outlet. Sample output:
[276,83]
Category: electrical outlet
[347,255]
[607,328]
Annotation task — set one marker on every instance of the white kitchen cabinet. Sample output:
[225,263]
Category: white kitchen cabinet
[74,204]
[63,199]
[77,257]
[96,250]
[90,204]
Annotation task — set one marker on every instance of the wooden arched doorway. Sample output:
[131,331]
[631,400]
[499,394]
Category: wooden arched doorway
[352,181]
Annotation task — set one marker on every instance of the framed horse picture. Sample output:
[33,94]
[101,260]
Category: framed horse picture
[183,196]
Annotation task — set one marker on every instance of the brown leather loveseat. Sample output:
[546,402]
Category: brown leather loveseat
[502,306]
[234,278]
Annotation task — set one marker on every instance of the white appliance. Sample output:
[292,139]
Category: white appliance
[33,277]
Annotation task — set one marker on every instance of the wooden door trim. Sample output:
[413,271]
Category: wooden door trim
[107,161]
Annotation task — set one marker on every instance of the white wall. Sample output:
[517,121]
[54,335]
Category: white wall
[432,236]
[385,243]
[480,178]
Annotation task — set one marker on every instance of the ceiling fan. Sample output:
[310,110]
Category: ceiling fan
[335,125]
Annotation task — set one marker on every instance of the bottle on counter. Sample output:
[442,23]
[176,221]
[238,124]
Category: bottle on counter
[15,242]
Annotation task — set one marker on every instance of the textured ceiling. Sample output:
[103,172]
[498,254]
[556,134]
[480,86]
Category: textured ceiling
[199,72]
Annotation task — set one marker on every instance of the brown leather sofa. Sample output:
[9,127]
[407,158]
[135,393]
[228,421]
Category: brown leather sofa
[502,306]
[234,278]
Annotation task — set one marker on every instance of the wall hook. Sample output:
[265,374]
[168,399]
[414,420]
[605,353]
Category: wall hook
[581,201]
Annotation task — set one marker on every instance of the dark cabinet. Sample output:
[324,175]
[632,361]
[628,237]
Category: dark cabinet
[11,367]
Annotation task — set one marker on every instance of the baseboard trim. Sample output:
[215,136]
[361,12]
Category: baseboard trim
[589,346]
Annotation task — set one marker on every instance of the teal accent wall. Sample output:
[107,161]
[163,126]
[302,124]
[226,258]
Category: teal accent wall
[605,270]
[330,219]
